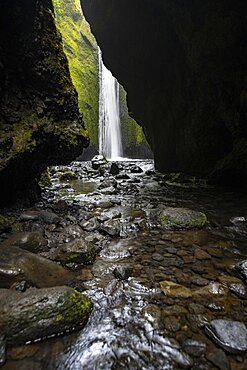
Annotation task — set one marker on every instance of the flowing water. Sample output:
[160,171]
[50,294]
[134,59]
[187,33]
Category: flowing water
[110,142]
[133,324]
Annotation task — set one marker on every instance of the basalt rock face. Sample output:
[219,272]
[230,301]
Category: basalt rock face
[40,123]
[183,64]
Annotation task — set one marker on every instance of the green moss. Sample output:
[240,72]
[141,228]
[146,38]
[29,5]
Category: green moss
[45,179]
[80,306]
[4,223]
[82,52]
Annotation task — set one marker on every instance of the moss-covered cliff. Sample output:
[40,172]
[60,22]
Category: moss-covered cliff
[40,123]
[82,52]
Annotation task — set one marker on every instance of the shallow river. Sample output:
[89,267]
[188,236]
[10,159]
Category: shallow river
[134,324]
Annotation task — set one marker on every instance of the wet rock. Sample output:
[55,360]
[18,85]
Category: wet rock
[104,204]
[181,218]
[90,225]
[215,252]
[17,264]
[114,170]
[198,280]
[135,169]
[157,257]
[211,290]
[234,284]
[2,349]
[20,286]
[108,183]
[173,290]
[218,358]
[115,251]
[193,347]
[46,216]
[122,176]
[111,227]
[31,241]
[111,190]
[77,251]
[242,269]
[69,175]
[97,161]
[39,313]
[4,224]
[171,324]
[230,335]
[153,314]
[200,254]
[70,233]
[122,272]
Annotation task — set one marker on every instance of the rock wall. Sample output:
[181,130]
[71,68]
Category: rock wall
[183,64]
[40,123]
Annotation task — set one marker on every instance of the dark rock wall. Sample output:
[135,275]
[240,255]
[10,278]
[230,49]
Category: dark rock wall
[40,123]
[183,64]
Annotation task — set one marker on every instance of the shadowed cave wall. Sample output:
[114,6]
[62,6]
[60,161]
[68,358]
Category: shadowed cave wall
[183,64]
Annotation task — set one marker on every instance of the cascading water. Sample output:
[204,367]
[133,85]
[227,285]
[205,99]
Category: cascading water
[110,141]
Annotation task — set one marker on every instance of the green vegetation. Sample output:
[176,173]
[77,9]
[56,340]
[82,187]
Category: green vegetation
[131,131]
[80,306]
[82,52]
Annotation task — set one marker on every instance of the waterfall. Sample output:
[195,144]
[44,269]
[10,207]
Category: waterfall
[110,141]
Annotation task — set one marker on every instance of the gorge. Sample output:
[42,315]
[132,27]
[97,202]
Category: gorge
[123,263]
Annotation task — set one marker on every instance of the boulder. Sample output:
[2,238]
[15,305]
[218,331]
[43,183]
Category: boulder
[114,170]
[47,216]
[31,241]
[78,251]
[40,313]
[97,161]
[181,218]
[230,335]
[17,264]
[242,269]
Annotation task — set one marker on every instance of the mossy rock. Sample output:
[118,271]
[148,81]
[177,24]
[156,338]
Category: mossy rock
[69,175]
[181,218]
[45,179]
[40,313]
[4,224]
[77,251]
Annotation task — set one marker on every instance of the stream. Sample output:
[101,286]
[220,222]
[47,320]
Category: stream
[136,322]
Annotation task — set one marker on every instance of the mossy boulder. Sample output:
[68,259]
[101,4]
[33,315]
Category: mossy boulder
[78,251]
[40,313]
[181,218]
[4,224]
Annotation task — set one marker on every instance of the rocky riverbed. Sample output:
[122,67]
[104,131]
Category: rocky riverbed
[162,259]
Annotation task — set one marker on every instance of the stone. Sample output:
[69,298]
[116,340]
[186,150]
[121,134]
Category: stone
[70,233]
[241,268]
[194,347]
[39,313]
[230,335]
[198,280]
[31,241]
[171,323]
[46,216]
[90,225]
[77,251]
[114,170]
[200,254]
[4,224]
[173,290]
[111,227]
[122,272]
[17,264]
[157,257]
[181,218]
[68,175]
[234,284]
[97,161]
[108,183]
[211,290]
[2,349]
[218,358]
